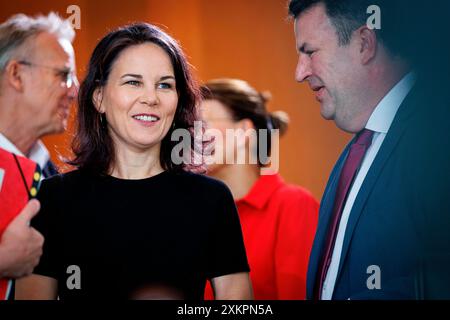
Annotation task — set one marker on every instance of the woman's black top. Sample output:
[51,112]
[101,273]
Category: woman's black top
[160,237]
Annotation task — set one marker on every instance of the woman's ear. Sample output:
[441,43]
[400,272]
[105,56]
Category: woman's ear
[97,99]
[244,124]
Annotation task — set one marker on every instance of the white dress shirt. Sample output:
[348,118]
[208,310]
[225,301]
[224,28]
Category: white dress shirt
[379,122]
[38,152]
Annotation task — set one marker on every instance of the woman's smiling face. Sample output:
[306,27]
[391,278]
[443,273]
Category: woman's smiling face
[140,97]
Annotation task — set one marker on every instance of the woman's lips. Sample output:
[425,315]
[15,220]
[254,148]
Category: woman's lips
[146,120]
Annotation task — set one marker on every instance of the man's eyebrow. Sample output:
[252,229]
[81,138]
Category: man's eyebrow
[66,70]
[132,75]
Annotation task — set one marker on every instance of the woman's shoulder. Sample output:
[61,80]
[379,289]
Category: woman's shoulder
[293,195]
[295,191]
[74,177]
[200,182]
[57,189]
[61,177]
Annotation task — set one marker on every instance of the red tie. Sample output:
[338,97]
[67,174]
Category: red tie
[351,166]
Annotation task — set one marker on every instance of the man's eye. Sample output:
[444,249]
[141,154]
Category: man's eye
[63,75]
[309,53]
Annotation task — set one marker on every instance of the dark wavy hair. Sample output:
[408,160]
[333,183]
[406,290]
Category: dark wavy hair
[92,145]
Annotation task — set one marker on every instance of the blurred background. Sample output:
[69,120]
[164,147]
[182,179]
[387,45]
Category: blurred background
[248,39]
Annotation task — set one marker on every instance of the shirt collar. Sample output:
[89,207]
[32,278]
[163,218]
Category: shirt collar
[262,190]
[38,152]
[383,115]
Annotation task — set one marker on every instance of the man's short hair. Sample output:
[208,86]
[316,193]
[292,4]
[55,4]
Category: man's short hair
[17,29]
[348,15]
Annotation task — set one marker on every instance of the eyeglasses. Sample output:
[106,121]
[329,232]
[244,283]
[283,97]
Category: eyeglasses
[68,78]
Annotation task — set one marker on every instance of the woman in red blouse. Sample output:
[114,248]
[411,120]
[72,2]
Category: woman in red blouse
[278,220]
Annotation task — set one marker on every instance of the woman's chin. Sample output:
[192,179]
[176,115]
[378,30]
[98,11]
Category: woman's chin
[143,144]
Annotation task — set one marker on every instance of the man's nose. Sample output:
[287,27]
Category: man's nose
[73,88]
[303,70]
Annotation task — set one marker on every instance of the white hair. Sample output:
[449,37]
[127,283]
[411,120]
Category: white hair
[17,29]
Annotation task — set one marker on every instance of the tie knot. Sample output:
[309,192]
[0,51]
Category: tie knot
[364,137]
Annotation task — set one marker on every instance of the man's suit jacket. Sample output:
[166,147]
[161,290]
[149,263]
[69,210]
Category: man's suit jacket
[400,220]
[49,169]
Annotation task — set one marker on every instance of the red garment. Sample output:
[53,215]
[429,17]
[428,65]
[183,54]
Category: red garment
[278,223]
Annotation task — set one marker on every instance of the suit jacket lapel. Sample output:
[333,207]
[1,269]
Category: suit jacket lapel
[389,144]
[49,170]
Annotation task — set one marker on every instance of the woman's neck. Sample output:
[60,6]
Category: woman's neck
[240,178]
[136,164]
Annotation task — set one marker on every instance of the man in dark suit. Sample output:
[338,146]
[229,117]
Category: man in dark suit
[384,219]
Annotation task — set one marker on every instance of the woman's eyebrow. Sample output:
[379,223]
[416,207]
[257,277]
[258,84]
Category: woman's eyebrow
[132,75]
[167,77]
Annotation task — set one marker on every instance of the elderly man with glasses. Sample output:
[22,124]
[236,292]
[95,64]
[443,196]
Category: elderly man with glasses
[37,88]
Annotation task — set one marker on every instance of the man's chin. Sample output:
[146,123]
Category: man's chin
[326,113]
[61,127]
[64,120]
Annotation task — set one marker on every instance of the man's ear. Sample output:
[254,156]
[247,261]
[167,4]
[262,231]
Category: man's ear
[368,44]
[13,75]
[97,98]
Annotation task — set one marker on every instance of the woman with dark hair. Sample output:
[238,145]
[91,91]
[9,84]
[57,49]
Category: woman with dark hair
[130,222]
[278,220]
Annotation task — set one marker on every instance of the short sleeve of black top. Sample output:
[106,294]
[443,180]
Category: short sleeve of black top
[162,237]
